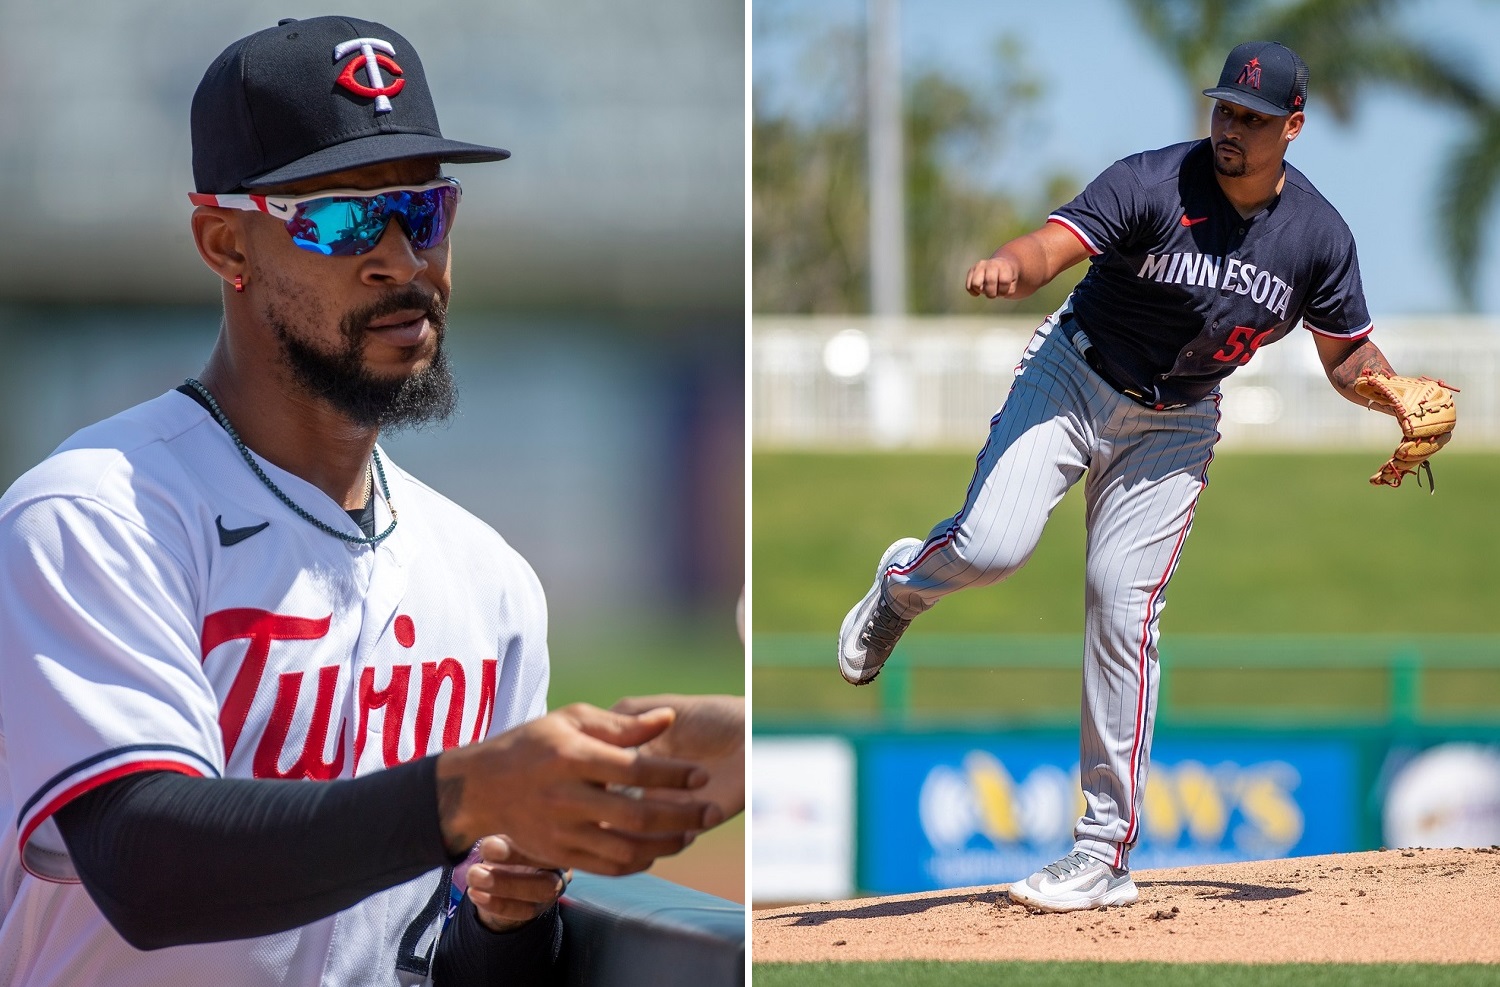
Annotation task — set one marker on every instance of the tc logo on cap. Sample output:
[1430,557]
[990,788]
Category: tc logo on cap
[375,57]
[1250,74]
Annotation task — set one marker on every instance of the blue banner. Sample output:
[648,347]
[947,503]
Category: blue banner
[959,812]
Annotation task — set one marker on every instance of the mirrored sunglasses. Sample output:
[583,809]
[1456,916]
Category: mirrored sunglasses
[350,222]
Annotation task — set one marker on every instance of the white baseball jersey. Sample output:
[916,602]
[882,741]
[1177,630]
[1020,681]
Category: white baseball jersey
[160,609]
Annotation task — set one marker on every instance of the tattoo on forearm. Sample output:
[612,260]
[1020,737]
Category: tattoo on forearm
[1366,356]
[450,794]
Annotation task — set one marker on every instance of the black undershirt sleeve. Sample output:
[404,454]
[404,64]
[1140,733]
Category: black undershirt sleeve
[171,859]
[469,953]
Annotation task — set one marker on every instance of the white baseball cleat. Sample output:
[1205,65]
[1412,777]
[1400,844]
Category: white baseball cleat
[1075,882]
[871,629]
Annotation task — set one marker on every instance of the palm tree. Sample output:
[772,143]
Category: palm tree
[1470,180]
[1355,46]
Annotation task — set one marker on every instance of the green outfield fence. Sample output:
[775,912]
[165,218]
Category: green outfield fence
[1206,680]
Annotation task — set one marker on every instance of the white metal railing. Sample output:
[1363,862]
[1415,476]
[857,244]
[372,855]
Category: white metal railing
[855,382]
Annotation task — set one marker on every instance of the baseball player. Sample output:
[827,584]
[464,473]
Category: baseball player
[1200,254]
[249,665]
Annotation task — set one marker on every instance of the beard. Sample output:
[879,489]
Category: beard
[369,400]
[1235,168]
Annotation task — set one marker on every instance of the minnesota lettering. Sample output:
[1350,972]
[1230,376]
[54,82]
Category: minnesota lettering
[1263,287]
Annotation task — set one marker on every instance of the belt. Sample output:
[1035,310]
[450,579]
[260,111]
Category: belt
[1090,354]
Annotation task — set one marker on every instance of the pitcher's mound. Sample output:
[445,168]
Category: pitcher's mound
[1388,906]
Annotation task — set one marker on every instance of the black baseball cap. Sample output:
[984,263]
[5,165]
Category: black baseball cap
[1265,77]
[312,97]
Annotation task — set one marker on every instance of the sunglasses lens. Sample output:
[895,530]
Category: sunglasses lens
[428,216]
[347,227]
[337,227]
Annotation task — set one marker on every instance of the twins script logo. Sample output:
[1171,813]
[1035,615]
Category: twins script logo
[1250,74]
[376,56]
[432,682]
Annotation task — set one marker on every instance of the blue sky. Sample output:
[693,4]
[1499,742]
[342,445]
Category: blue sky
[1109,94]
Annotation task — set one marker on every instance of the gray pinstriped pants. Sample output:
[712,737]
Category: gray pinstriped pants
[1145,470]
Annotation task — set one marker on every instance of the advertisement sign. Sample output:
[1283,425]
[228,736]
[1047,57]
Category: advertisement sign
[802,819]
[1446,796]
[964,811]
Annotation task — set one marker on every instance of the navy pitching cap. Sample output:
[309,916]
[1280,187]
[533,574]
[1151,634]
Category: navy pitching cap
[1265,77]
[312,97]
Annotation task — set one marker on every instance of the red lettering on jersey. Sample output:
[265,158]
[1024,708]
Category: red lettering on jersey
[486,701]
[1241,345]
[309,763]
[393,700]
[433,676]
[261,627]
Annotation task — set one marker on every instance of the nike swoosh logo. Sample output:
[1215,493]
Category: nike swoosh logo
[1192,222]
[233,536]
[1054,887]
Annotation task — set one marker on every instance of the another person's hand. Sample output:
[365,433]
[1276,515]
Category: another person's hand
[509,889]
[710,732]
[543,784]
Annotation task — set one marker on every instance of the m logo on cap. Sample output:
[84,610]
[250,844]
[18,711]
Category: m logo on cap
[375,57]
[1250,74]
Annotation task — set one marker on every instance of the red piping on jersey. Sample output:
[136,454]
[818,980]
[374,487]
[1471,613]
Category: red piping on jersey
[1140,697]
[1076,232]
[87,785]
[1339,335]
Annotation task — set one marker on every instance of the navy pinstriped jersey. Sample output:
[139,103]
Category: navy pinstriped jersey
[1181,290]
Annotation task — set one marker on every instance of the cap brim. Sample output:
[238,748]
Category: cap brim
[1248,101]
[376,149]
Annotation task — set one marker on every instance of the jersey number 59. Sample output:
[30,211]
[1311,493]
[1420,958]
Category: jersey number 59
[1241,345]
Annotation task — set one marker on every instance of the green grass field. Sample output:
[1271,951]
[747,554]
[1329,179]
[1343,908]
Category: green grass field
[600,665]
[1293,545]
[1286,543]
[913,974]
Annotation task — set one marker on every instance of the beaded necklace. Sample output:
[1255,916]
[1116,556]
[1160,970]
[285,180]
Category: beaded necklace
[385,490]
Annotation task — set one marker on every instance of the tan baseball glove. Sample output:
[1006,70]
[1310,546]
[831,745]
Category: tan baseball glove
[1424,407]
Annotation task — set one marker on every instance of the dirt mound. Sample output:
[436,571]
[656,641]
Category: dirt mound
[1421,906]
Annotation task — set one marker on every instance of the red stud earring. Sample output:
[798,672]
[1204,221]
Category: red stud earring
[239,284]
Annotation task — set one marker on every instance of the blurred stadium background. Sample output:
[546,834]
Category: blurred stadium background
[1331,654]
[597,318]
